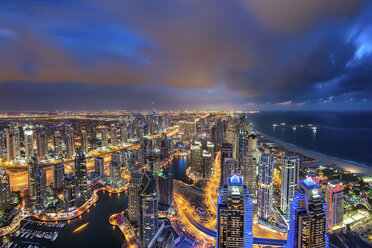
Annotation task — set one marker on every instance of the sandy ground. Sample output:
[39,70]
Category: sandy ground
[324,159]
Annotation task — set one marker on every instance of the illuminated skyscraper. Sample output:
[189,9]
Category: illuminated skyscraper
[99,166]
[265,186]
[196,156]
[81,172]
[133,196]
[235,215]
[10,145]
[165,180]
[5,195]
[104,138]
[124,133]
[335,203]
[31,168]
[29,143]
[84,141]
[230,167]
[307,227]
[70,144]
[226,152]
[114,135]
[249,172]
[40,188]
[115,169]
[290,175]
[57,144]
[58,174]
[69,190]
[148,220]
[41,143]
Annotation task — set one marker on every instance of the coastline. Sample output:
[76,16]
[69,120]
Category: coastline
[324,159]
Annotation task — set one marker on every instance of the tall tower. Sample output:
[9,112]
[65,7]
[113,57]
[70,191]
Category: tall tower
[41,143]
[165,191]
[235,215]
[81,172]
[84,141]
[5,195]
[99,166]
[148,221]
[31,168]
[10,145]
[29,143]
[104,137]
[114,135]
[69,190]
[133,196]
[307,227]
[249,172]
[226,152]
[290,175]
[114,169]
[58,174]
[265,186]
[57,144]
[40,186]
[335,203]
[70,144]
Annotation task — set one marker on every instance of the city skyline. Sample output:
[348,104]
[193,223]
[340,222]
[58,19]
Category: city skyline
[178,55]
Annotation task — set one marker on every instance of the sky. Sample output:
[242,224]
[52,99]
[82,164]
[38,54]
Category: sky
[186,54]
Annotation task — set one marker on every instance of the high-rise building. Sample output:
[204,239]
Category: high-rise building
[335,203]
[226,152]
[40,188]
[10,145]
[104,138]
[307,227]
[70,144]
[265,186]
[57,144]
[165,182]
[249,172]
[148,220]
[58,174]
[99,166]
[290,175]
[81,172]
[29,143]
[31,168]
[5,195]
[235,215]
[123,133]
[230,167]
[114,135]
[196,156]
[69,190]
[115,170]
[207,164]
[84,141]
[41,143]
[133,196]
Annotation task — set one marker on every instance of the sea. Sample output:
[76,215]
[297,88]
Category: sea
[342,135]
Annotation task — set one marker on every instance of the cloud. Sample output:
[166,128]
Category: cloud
[285,103]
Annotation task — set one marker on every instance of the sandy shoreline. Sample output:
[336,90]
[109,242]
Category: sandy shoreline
[324,159]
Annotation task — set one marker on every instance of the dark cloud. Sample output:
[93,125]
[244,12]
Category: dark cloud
[247,53]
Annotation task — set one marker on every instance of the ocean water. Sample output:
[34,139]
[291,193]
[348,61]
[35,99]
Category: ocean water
[345,135]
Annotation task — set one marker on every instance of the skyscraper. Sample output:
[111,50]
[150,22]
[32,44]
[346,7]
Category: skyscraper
[290,175]
[335,203]
[148,220]
[226,152]
[104,138]
[5,195]
[58,174]
[115,170]
[114,135]
[57,144]
[265,186]
[40,188]
[99,166]
[69,190]
[230,167]
[84,141]
[10,145]
[307,227]
[123,133]
[235,215]
[31,168]
[41,143]
[165,182]
[29,143]
[249,172]
[133,196]
[70,143]
[81,172]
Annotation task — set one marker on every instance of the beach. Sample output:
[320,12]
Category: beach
[323,159]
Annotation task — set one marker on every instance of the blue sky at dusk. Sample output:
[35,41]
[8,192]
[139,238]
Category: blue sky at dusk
[186,54]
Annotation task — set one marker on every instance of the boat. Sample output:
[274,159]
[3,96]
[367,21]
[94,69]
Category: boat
[55,236]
